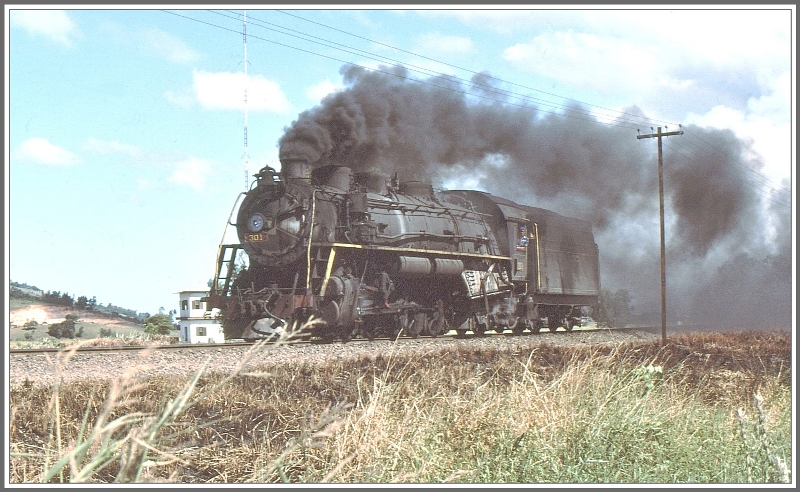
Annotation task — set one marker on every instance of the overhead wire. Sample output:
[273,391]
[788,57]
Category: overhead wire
[764,181]
[564,110]
[777,194]
[410,79]
[771,194]
[467,69]
[676,147]
[618,116]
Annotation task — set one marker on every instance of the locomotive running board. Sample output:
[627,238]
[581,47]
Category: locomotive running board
[413,250]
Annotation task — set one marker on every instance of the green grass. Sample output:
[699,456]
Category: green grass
[711,408]
[90,331]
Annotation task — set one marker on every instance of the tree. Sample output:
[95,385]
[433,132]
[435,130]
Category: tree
[158,324]
[82,302]
[66,300]
[614,309]
[65,329]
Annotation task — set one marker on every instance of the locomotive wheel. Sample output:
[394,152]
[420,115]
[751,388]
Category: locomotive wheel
[534,326]
[478,327]
[514,325]
[398,326]
[437,326]
[418,325]
[328,336]
[395,334]
[569,326]
[234,328]
[552,324]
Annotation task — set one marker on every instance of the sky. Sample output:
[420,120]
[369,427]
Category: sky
[128,138]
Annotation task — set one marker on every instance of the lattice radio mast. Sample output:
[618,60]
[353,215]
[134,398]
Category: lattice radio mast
[246,83]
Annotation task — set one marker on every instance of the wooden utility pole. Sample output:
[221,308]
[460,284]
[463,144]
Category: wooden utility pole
[658,135]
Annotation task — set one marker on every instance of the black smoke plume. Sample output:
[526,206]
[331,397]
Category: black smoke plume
[728,253]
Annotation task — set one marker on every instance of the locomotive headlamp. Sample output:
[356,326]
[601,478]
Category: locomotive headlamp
[256,222]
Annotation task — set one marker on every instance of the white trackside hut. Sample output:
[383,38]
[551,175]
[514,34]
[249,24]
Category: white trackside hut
[198,325]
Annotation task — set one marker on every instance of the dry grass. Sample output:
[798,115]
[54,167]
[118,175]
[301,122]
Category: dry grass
[554,414]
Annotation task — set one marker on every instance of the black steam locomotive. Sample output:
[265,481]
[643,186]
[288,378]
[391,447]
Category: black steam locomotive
[340,254]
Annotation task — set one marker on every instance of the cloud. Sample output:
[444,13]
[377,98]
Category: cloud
[442,43]
[317,92]
[193,172]
[775,105]
[669,62]
[150,42]
[41,151]
[590,61]
[114,147]
[168,46]
[54,24]
[766,122]
[225,90]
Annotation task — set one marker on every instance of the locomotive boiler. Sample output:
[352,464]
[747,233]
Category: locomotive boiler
[339,254]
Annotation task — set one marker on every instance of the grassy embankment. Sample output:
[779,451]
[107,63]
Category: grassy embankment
[26,308]
[710,408]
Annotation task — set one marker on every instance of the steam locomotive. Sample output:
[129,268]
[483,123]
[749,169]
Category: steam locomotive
[339,254]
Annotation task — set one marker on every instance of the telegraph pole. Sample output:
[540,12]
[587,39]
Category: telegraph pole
[658,135]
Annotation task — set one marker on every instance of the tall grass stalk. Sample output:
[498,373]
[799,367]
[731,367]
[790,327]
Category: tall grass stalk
[534,414]
[604,419]
[129,442]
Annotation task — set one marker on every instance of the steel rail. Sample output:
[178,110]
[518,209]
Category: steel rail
[448,335]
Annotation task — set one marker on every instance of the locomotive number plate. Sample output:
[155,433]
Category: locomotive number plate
[255,237]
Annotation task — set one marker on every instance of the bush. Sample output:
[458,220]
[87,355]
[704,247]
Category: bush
[107,333]
[158,324]
[65,329]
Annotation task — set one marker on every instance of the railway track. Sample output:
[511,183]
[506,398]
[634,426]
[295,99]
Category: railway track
[48,366]
[300,341]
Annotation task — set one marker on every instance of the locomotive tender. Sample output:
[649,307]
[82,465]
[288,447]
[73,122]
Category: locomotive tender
[342,255]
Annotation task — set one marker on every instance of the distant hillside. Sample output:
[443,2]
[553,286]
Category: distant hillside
[22,295]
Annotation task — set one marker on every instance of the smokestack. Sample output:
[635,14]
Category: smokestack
[292,169]
[338,177]
[372,181]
